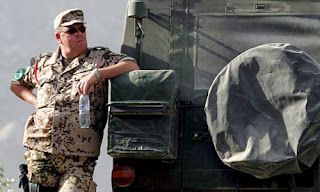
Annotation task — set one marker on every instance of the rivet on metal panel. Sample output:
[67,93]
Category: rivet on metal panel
[196,137]
[185,102]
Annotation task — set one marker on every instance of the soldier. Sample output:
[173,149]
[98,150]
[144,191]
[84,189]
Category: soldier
[60,155]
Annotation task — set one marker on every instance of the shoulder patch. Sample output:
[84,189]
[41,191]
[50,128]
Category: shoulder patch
[19,74]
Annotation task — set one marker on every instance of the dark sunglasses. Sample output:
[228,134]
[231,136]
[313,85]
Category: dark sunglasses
[73,30]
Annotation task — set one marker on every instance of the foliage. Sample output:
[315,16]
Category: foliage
[5,183]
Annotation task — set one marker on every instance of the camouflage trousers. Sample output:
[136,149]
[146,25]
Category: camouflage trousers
[68,173]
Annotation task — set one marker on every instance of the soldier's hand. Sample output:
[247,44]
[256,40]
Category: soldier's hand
[86,83]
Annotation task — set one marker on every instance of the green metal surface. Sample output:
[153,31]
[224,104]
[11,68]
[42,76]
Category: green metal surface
[196,39]
[137,9]
[142,120]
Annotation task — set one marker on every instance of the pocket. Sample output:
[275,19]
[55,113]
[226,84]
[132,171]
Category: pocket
[78,75]
[39,124]
[40,168]
[33,130]
[44,92]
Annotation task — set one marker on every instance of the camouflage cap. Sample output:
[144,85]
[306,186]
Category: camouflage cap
[69,17]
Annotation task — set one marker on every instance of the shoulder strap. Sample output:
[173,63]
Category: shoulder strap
[99,48]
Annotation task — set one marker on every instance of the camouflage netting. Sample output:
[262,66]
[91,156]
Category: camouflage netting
[263,111]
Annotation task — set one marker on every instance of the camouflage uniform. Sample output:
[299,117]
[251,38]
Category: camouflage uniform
[72,173]
[53,129]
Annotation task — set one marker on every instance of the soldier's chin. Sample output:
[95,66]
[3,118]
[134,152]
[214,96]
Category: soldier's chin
[82,44]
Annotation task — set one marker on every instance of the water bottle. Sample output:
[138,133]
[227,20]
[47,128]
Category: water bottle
[84,111]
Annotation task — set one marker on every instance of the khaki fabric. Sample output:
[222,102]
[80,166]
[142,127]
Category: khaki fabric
[54,126]
[69,17]
[68,173]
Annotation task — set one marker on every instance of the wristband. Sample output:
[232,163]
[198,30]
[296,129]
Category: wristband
[96,73]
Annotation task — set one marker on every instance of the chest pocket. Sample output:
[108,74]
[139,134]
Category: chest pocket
[77,76]
[45,88]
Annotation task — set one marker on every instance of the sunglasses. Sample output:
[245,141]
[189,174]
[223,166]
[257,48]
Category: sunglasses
[73,30]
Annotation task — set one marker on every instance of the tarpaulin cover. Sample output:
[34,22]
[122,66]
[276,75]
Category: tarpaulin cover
[143,116]
[263,111]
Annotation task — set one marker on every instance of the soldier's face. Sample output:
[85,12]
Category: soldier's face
[74,38]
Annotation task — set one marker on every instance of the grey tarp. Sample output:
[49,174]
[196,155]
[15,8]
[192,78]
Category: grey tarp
[263,111]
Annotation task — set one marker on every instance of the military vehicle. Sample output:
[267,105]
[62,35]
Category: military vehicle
[226,99]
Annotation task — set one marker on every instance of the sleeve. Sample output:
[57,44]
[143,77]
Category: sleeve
[25,76]
[112,58]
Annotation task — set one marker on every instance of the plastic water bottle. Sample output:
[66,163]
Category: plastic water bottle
[84,111]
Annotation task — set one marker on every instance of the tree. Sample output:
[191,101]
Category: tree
[5,182]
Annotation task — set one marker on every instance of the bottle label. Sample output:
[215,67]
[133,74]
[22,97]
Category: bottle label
[84,111]
[83,108]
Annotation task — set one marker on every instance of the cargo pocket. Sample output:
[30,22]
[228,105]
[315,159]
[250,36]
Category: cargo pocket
[40,168]
[30,127]
[43,122]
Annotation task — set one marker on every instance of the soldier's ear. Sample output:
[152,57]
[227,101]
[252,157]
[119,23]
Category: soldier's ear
[58,37]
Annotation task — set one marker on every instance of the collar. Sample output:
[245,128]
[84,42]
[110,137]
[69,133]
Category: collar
[55,57]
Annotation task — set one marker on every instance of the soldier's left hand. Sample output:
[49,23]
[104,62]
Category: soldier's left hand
[86,83]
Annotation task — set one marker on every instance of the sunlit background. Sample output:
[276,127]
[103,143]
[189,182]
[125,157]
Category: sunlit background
[26,31]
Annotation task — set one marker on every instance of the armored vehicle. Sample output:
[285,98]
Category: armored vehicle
[226,98]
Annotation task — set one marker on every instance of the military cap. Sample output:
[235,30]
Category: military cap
[69,17]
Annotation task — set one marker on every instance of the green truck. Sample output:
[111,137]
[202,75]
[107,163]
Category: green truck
[226,98]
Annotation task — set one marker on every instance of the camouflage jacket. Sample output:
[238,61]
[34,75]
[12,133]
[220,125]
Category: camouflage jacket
[54,126]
